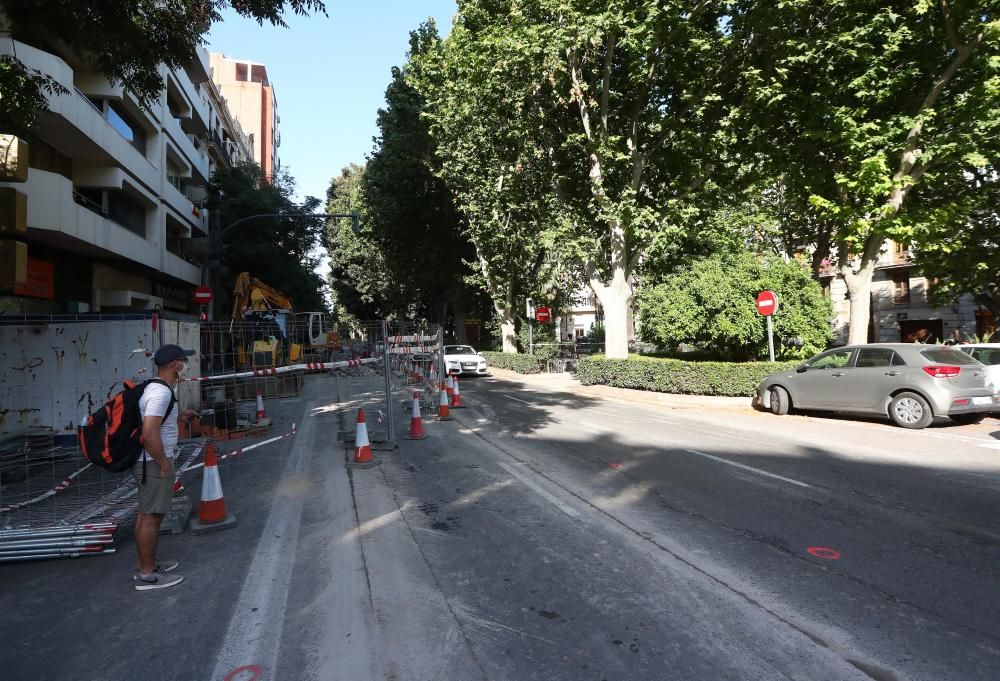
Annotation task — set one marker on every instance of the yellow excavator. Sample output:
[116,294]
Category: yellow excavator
[269,333]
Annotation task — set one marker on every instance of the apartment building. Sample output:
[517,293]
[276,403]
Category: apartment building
[902,309]
[109,209]
[247,89]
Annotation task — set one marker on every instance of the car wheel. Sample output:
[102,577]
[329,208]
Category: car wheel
[969,419]
[910,410]
[780,401]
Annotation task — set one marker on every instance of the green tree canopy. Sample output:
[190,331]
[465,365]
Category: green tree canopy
[855,104]
[711,305]
[282,252]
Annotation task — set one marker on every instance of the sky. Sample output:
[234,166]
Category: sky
[329,76]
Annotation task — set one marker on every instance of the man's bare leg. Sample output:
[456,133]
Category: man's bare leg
[147,534]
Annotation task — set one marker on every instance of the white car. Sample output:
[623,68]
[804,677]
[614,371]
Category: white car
[988,354]
[463,359]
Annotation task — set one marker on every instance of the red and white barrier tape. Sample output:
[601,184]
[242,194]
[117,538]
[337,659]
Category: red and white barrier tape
[178,486]
[66,482]
[274,371]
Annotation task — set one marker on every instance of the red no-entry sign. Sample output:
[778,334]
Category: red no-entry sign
[543,315]
[767,303]
[202,295]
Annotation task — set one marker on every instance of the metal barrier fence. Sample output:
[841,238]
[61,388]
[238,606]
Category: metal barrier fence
[55,371]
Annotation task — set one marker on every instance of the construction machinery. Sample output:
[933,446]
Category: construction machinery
[267,332]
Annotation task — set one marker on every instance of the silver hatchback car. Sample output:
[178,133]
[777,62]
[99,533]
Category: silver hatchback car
[910,383]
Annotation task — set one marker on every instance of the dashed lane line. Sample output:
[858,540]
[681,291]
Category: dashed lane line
[749,468]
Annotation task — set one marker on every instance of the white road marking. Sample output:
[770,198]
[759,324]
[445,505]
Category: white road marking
[593,427]
[254,631]
[568,510]
[509,397]
[749,468]
[991,445]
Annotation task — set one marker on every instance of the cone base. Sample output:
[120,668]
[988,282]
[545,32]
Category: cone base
[367,464]
[198,527]
[445,418]
[416,437]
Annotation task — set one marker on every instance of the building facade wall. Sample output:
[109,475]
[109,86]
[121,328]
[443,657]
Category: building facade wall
[251,98]
[114,190]
[902,308]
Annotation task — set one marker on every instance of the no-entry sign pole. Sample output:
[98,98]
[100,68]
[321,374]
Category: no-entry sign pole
[767,305]
[770,338]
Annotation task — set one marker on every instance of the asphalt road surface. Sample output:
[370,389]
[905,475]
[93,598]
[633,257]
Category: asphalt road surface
[548,535]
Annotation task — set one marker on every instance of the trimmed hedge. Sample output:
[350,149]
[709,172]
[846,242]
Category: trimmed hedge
[522,364]
[731,379]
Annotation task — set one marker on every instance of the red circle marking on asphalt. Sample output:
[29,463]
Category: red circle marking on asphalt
[823,552]
[614,465]
[254,669]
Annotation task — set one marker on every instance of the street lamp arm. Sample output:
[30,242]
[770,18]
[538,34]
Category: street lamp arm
[355,219]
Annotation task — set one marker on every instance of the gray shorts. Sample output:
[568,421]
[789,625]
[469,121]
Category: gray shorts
[155,496]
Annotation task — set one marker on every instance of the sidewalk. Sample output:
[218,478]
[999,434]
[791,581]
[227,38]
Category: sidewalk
[568,381]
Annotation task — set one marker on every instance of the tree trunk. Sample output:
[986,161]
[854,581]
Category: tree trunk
[615,301]
[508,333]
[458,308]
[859,285]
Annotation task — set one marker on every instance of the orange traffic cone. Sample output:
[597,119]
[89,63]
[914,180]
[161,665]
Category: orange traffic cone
[212,515]
[261,414]
[416,423]
[456,395]
[443,413]
[362,445]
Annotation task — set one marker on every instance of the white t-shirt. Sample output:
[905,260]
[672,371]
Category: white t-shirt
[154,402]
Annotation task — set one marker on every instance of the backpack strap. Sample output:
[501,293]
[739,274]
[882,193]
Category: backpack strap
[173,398]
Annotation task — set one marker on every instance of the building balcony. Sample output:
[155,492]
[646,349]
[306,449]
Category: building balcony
[182,207]
[65,219]
[196,159]
[178,268]
[194,97]
[78,128]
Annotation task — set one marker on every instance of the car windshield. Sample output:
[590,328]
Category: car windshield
[459,350]
[832,360]
[948,356]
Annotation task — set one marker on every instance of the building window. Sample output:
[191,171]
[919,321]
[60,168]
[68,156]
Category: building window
[125,125]
[901,288]
[126,212]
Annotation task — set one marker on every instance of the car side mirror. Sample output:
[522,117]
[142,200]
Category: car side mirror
[480,354]
[802,369]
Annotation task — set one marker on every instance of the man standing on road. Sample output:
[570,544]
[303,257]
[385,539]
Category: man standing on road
[155,469]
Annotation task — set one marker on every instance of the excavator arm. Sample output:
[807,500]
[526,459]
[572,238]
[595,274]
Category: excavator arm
[253,295]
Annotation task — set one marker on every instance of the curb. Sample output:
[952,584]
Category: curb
[670,400]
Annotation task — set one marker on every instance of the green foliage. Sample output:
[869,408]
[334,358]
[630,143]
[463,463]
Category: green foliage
[596,334]
[278,251]
[126,40]
[410,258]
[522,364]
[543,339]
[711,304]
[957,243]
[597,136]
[361,283]
[870,116]
[678,376]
